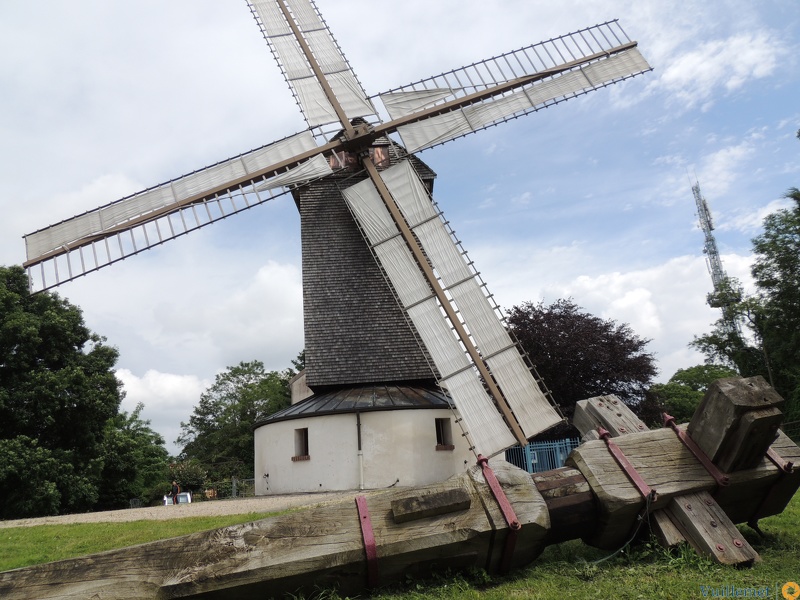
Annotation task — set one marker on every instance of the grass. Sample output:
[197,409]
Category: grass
[567,570]
[25,546]
[646,570]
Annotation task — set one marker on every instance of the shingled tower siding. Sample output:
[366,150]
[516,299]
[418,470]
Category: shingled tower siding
[355,332]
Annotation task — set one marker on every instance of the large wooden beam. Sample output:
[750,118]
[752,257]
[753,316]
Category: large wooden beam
[320,546]
[668,467]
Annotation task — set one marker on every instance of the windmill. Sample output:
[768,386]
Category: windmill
[434,317]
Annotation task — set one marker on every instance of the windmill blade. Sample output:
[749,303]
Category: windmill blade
[110,233]
[436,110]
[488,425]
[533,411]
[287,25]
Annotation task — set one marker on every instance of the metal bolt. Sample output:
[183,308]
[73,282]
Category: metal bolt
[720,547]
[622,430]
[640,425]
[709,502]
[688,506]
[713,523]
[614,401]
[738,543]
[600,404]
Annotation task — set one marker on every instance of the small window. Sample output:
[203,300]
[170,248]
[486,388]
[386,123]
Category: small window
[444,436]
[301,444]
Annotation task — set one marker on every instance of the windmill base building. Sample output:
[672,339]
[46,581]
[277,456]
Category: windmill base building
[366,412]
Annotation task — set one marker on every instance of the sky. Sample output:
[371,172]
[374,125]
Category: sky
[589,200]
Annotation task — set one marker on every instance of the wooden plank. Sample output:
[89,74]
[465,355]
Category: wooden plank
[665,530]
[429,505]
[709,530]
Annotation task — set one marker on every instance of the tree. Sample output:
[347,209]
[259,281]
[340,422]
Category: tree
[219,433]
[134,461]
[776,271]
[579,355]
[681,395]
[60,427]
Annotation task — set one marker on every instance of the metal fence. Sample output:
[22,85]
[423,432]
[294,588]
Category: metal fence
[542,456]
[230,488]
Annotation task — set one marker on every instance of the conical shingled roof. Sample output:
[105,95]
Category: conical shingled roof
[363,399]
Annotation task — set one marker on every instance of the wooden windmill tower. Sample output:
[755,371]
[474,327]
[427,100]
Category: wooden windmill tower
[389,296]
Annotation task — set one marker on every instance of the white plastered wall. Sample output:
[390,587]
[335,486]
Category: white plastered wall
[398,447]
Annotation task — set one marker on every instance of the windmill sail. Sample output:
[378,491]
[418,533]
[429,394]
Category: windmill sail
[488,431]
[546,73]
[135,223]
[299,72]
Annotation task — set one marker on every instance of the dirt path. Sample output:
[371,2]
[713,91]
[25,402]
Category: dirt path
[240,506]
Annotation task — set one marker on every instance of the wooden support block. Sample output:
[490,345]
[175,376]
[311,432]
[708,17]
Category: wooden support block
[709,530]
[608,412]
[429,505]
[736,422]
[618,419]
[570,503]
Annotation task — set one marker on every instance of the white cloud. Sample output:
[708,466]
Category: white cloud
[751,221]
[168,399]
[721,169]
[723,65]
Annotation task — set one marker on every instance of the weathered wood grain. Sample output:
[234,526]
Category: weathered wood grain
[618,419]
[608,412]
[429,505]
[709,530]
[717,428]
[570,503]
[315,547]
[669,468]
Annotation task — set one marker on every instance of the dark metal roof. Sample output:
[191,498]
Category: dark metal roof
[363,399]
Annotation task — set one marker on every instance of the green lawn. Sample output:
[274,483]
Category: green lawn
[564,571]
[24,546]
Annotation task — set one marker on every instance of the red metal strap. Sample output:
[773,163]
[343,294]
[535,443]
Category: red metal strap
[369,541]
[721,478]
[784,465]
[645,490]
[508,513]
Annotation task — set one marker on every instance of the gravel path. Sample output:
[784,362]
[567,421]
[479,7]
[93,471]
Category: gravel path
[240,506]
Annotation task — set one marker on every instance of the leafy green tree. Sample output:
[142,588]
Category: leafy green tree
[579,355]
[134,461]
[57,383]
[681,395]
[64,447]
[219,433]
[37,481]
